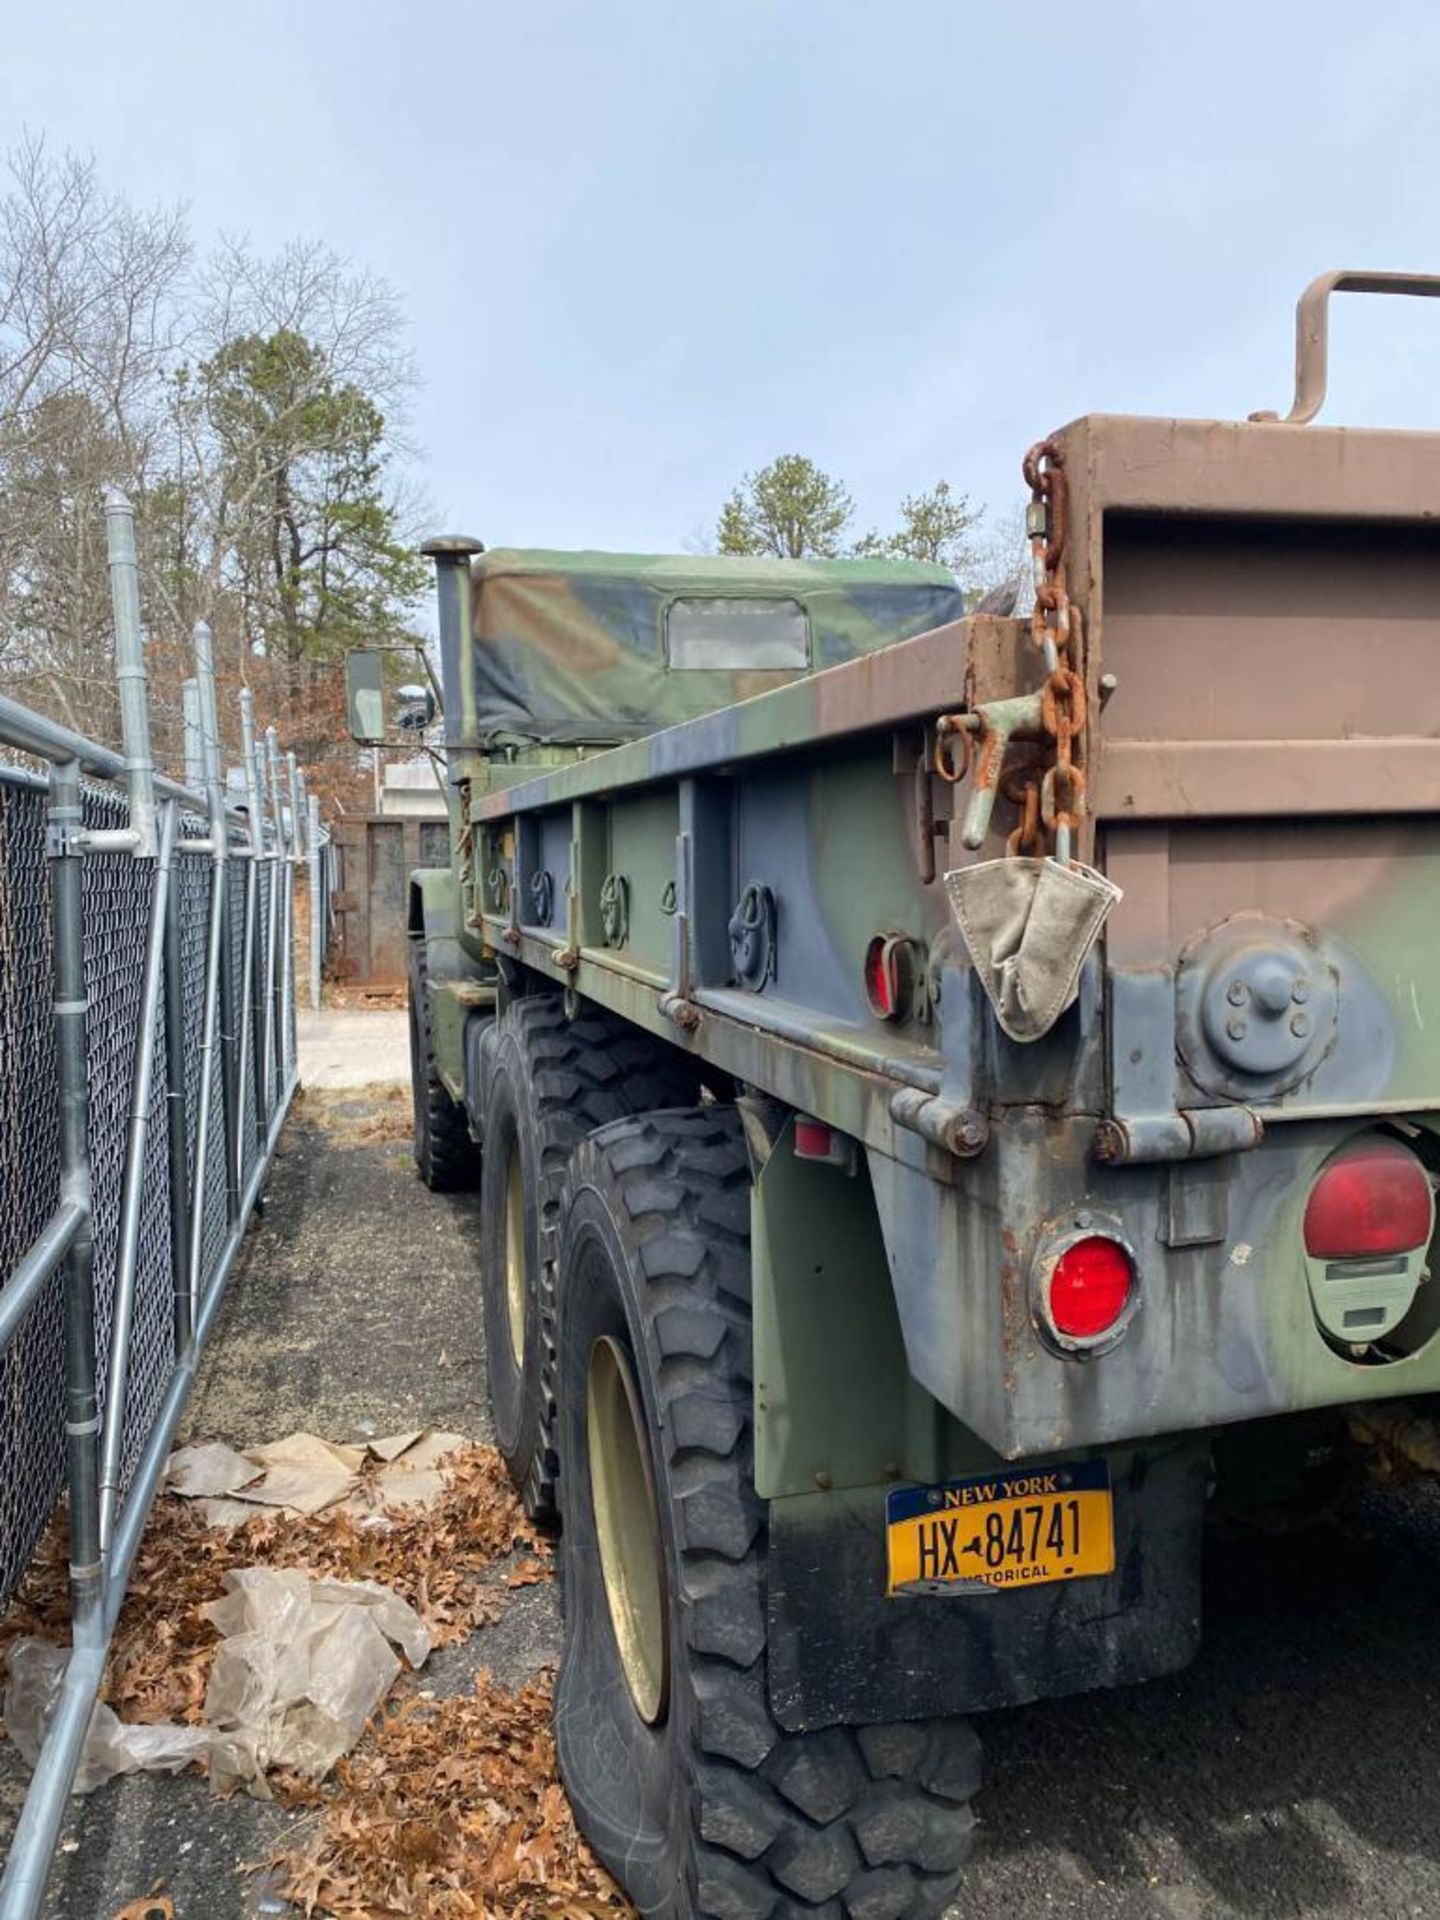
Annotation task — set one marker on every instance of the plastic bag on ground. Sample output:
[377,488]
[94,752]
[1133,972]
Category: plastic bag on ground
[303,1665]
[300,1668]
[112,1745]
[304,1474]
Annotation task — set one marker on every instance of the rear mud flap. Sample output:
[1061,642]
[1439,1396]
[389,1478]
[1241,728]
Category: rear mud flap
[842,1653]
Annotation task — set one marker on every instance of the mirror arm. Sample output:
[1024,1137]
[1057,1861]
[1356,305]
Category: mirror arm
[435,687]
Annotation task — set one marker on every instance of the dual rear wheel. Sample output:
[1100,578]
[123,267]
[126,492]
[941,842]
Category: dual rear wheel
[621,1376]
[551,1081]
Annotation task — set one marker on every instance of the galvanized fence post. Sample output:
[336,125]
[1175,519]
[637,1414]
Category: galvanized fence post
[273,949]
[177,1114]
[294,839]
[250,1054]
[130,670]
[159,847]
[194,723]
[319,906]
[82,1412]
[217,953]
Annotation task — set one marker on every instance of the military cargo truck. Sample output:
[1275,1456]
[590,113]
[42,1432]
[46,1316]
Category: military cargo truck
[952,1097]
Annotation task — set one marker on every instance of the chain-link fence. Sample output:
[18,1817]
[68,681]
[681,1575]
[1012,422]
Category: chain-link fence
[147,1057]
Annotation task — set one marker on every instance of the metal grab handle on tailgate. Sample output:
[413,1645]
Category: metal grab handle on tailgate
[1312,331]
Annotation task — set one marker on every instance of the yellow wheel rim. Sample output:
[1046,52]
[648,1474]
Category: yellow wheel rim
[627,1526]
[515,1260]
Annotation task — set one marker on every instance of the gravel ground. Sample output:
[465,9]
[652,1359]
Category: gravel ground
[1287,1775]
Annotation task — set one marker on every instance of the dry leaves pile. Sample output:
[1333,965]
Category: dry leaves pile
[372,1116]
[366,998]
[442,1559]
[448,1807]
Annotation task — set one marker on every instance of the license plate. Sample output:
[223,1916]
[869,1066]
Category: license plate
[995,1531]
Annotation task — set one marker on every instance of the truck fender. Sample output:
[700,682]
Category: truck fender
[461,999]
[433,918]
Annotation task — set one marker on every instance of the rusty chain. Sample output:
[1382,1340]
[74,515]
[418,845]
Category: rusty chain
[1054,793]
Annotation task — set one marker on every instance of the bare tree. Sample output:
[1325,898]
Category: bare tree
[998,579]
[297,398]
[89,318]
[254,411]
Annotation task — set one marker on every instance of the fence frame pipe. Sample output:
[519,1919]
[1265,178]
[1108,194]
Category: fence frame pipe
[130,672]
[217,948]
[294,853]
[249,1010]
[26,1282]
[315,854]
[104,1533]
[132,1193]
[153,842]
[177,1115]
[279,870]
[37,1831]
[225,1031]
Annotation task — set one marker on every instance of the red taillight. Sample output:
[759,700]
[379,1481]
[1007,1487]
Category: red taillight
[1090,1287]
[1373,1198]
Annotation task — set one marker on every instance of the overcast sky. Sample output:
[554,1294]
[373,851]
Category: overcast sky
[648,244]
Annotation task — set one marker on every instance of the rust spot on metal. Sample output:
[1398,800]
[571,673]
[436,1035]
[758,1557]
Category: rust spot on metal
[1109,1144]
[951,733]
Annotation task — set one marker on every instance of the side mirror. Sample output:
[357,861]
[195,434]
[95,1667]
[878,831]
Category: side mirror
[379,714]
[414,709]
[365,696]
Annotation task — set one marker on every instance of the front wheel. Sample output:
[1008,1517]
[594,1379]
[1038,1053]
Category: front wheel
[681,1778]
[446,1158]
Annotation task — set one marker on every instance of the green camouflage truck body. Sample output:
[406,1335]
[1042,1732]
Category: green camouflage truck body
[1266,766]
[1256,611]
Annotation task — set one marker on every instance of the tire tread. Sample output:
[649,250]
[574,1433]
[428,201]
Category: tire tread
[796,1808]
[583,1073]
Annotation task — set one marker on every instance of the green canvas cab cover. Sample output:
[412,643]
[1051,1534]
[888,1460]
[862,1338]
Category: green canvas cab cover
[602,647]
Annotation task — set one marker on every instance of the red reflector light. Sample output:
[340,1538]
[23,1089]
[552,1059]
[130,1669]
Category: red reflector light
[1090,1287]
[813,1140]
[881,986]
[1373,1198]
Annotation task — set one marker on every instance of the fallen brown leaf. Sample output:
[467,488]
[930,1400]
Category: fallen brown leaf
[446,1560]
[449,1808]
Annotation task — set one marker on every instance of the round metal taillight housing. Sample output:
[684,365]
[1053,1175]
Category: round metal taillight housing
[1084,1284]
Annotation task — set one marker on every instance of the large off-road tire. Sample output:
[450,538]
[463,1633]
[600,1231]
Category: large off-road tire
[549,1082]
[446,1158]
[681,1778]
